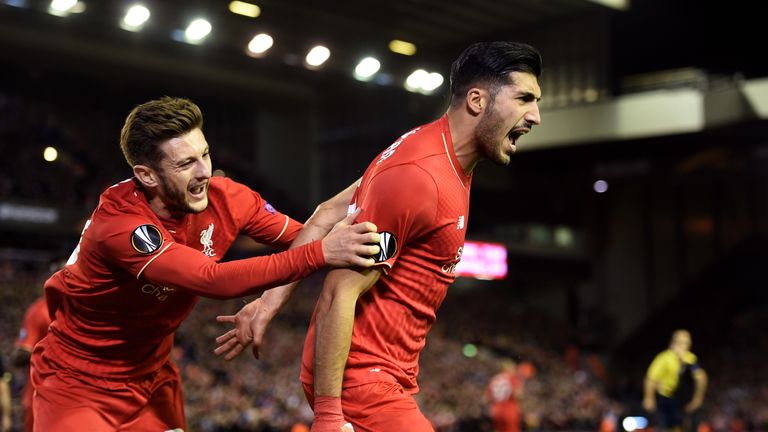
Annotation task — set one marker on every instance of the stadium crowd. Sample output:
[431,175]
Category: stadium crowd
[560,394]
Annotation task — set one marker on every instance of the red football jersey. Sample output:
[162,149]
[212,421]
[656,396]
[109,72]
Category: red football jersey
[417,194]
[35,325]
[134,277]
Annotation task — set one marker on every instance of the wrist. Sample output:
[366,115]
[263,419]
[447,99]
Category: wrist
[328,407]
[318,252]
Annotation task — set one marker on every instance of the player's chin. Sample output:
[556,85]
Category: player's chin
[197,205]
[504,156]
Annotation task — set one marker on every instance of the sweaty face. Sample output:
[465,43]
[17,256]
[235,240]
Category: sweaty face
[184,174]
[512,113]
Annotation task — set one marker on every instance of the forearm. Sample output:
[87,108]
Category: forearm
[700,386]
[334,321]
[649,389]
[317,226]
[207,278]
[331,211]
[5,396]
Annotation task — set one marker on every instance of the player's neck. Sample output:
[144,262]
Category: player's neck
[161,209]
[462,127]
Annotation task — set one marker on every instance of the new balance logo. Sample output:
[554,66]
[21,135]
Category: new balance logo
[460,223]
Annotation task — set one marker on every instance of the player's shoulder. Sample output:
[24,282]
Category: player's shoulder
[663,356]
[223,183]
[225,187]
[122,207]
[406,176]
[690,358]
[418,143]
[125,193]
[122,199]
[667,354]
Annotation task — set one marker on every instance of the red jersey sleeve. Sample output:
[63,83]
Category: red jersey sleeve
[144,251]
[259,219]
[35,325]
[207,278]
[402,202]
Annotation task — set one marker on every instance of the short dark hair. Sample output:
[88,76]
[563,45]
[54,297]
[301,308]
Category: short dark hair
[489,64]
[153,122]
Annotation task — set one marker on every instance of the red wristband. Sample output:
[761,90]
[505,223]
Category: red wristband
[328,406]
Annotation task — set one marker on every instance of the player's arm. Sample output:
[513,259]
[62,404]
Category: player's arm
[650,385]
[699,389]
[251,321]
[335,316]
[5,401]
[330,212]
[345,245]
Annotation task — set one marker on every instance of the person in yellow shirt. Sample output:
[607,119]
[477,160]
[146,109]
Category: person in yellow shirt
[5,398]
[663,391]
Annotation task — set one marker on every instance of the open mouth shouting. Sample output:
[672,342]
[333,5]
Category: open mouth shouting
[198,191]
[515,134]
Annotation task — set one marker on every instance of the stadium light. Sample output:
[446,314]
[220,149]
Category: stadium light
[402,47]
[317,56]
[414,80]
[631,424]
[197,31]
[16,3]
[245,9]
[469,350]
[260,44]
[433,81]
[63,8]
[421,81]
[367,68]
[600,186]
[62,5]
[50,154]
[135,18]
[613,4]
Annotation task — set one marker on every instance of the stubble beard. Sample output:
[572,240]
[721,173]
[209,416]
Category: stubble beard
[488,131]
[176,200]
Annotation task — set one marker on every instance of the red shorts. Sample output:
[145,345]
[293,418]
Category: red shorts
[379,407]
[65,400]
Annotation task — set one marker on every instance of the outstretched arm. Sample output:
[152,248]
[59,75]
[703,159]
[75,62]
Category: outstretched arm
[251,321]
[335,316]
[345,245]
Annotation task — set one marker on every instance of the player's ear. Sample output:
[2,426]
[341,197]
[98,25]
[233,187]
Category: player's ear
[477,100]
[146,175]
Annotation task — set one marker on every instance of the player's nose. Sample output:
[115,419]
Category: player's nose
[203,170]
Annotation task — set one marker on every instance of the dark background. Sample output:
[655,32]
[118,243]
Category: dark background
[677,241]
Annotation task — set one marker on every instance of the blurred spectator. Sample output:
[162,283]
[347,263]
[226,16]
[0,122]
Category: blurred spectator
[504,392]
[666,390]
[5,398]
[34,328]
